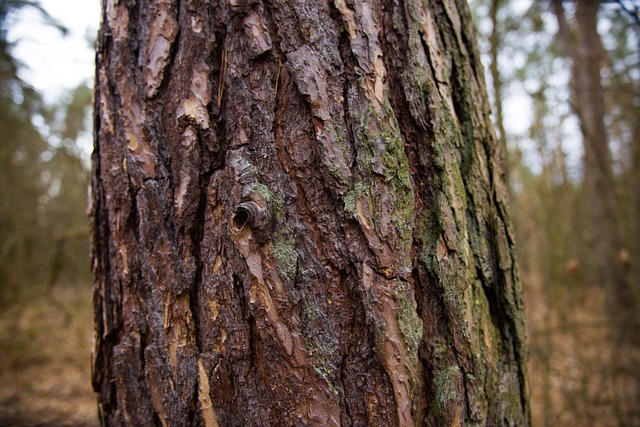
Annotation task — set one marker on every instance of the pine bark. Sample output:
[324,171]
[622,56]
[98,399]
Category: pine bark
[299,218]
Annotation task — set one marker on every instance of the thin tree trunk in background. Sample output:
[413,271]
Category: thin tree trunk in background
[299,219]
[588,56]
[635,200]
[496,79]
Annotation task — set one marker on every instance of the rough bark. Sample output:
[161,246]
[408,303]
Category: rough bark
[299,218]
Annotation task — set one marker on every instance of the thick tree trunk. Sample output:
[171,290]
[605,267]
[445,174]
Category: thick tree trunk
[299,218]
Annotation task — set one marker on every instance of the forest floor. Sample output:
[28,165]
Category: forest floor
[582,370]
[45,361]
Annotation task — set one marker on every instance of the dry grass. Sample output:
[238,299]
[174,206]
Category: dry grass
[580,371]
[45,360]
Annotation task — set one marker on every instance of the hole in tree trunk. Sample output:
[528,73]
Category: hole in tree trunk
[247,214]
[241,217]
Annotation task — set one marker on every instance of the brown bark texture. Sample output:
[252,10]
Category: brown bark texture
[299,218]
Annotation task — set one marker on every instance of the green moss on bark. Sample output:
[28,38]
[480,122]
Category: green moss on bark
[409,321]
[384,173]
[320,347]
[276,202]
[284,251]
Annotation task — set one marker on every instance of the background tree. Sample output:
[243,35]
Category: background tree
[299,217]
[42,179]
[44,245]
[583,46]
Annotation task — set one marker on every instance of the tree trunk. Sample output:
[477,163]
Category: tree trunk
[299,218]
[495,41]
[603,233]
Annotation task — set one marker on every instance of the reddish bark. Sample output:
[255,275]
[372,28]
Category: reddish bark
[299,219]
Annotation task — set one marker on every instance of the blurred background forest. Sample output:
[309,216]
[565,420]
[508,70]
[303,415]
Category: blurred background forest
[45,310]
[564,81]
